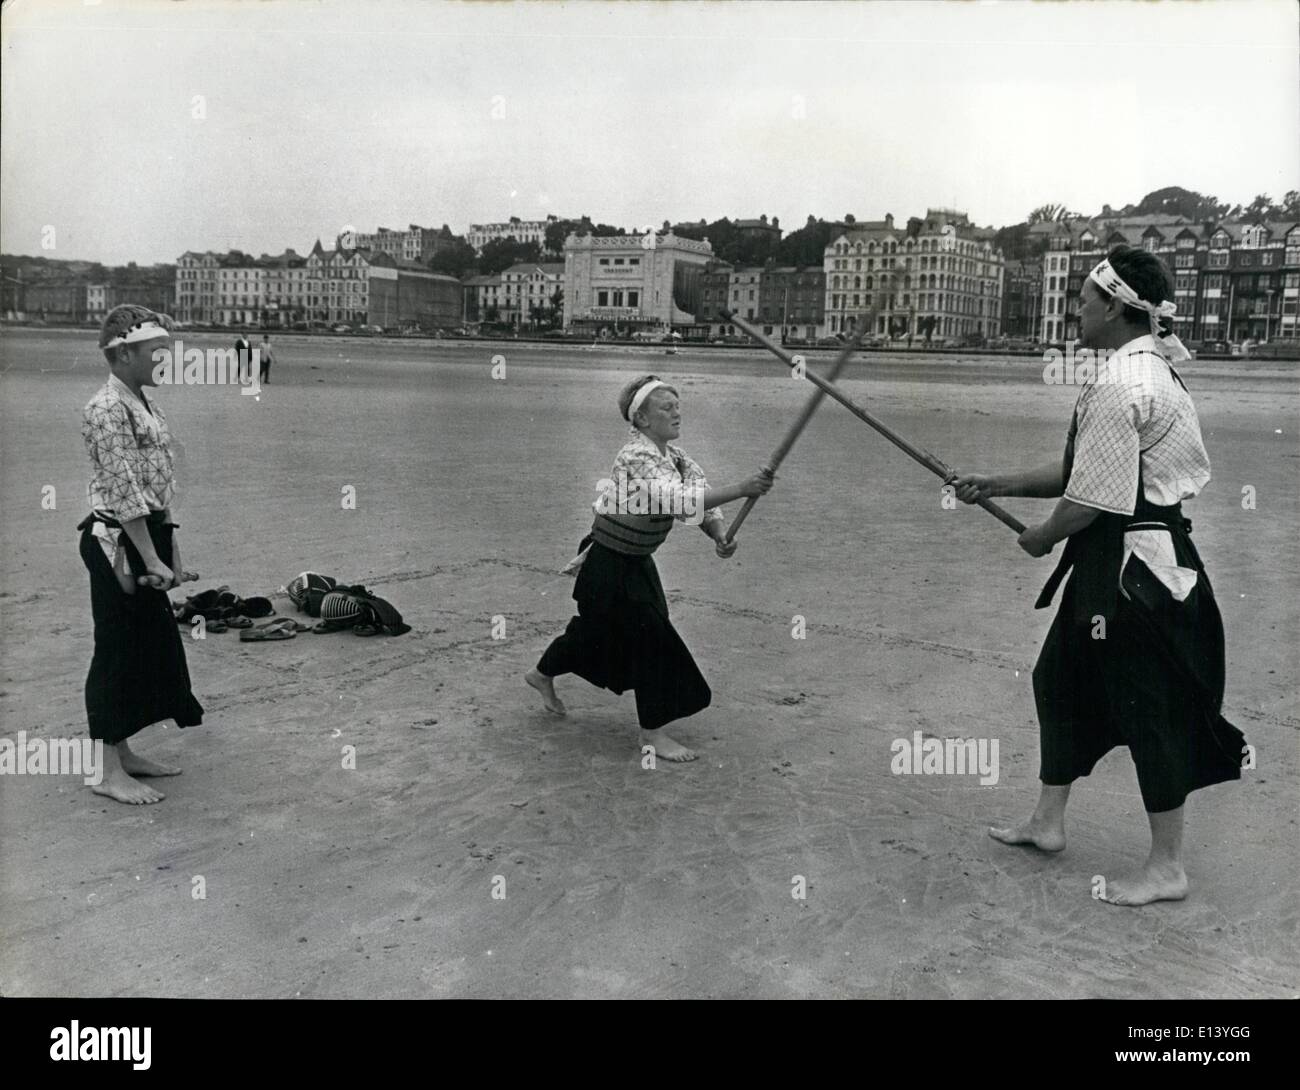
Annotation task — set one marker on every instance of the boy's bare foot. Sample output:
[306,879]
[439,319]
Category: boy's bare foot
[667,748]
[1156,882]
[1042,837]
[546,686]
[116,784]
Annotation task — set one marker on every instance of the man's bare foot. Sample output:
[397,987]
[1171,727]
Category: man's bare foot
[116,784]
[1156,882]
[667,748]
[133,764]
[1042,837]
[546,686]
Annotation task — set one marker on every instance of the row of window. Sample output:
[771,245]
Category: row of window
[925,301]
[946,264]
[923,280]
[616,297]
[620,260]
[946,245]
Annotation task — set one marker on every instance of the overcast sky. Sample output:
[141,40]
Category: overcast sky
[318,116]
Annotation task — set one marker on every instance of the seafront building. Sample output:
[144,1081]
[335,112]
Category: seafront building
[626,284]
[1233,280]
[350,286]
[938,276]
[532,294]
[1022,299]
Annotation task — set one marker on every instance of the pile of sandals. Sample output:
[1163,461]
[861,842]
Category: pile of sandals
[338,607]
[221,609]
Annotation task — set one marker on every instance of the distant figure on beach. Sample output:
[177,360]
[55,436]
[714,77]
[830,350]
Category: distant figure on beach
[622,638]
[138,674]
[1135,655]
[265,351]
[244,358]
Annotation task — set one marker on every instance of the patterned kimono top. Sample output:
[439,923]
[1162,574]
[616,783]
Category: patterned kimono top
[675,478]
[1137,414]
[132,468]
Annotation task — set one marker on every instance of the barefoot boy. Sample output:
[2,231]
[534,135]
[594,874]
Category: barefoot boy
[138,675]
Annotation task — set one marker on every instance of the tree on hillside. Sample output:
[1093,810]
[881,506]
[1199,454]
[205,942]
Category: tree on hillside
[806,246]
[1016,243]
[1049,213]
[455,257]
[1176,201]
[499,254]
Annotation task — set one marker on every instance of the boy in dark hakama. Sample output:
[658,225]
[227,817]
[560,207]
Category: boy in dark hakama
[622,638]
[138,674]
[1135,655]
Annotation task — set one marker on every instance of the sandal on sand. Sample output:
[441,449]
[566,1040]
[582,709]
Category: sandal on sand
[238,620]
[215,626]
[289,624]
[272,630]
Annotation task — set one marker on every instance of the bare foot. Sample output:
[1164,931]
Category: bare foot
[546,686]
[1156,882]
[1042,837]
[116,784]
[135,765]
[667,748]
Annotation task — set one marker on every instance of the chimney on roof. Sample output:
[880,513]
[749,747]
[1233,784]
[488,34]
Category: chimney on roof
[889,220]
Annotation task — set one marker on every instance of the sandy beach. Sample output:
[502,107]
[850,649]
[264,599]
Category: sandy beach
[471,494]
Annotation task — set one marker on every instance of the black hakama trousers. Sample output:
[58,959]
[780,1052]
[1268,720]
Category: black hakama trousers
[138,674]
[622,639]
[1154,683]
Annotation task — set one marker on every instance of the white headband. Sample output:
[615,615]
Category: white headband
[145,331]
[1106,278]
[638,399]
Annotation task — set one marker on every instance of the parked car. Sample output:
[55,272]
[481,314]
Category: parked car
[340,327]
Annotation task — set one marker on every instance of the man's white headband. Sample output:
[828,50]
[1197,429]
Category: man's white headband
[638,399]
[1106,278]
[144,331]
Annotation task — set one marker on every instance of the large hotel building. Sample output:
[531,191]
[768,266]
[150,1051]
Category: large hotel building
[939,276]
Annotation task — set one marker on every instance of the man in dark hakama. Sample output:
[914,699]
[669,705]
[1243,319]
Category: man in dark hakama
[622,638]
[138,674]
[1135,655]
